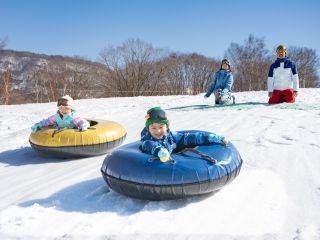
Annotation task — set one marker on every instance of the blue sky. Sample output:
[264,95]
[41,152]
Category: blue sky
[84,28]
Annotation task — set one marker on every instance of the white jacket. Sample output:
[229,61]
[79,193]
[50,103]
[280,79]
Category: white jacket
[283,75]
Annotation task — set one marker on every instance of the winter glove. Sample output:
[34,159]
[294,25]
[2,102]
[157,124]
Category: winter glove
[225,141]
[83,128]
[164,155]
[36,127]
[213,138]
[217,139]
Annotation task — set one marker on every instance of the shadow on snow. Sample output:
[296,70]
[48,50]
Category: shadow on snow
[249,105]
[26,156]
[237,106]
[93,196]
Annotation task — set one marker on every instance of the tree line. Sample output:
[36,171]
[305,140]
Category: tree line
[136,68]
[143,70]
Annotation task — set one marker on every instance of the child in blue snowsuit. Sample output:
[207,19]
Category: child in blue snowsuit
[159,141]
[65,117]
[221,84]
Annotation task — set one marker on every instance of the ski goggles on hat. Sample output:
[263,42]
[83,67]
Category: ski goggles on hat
[161,115]
[281,47]
[63,102]
[225,62]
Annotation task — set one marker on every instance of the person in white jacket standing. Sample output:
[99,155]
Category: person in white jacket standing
[283,80]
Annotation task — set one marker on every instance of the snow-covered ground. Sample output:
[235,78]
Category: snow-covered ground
[276,195]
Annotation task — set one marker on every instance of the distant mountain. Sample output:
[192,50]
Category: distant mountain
[35,74]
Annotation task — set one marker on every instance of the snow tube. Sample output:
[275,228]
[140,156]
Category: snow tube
[130,172]
[101,137]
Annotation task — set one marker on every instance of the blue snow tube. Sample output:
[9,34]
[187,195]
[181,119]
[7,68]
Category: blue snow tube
[130,172]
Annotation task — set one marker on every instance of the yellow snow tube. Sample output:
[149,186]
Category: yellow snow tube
[101,137]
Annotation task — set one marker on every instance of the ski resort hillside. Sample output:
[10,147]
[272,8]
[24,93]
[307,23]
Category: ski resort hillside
[275,197]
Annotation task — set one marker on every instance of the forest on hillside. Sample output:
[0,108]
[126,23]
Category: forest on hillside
[136,68]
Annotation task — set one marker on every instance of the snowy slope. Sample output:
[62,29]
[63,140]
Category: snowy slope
[276,195]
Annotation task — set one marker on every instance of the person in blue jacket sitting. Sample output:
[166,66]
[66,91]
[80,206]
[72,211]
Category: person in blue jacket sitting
[221,84]
[159,141]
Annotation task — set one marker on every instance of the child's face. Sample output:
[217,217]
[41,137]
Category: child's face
[281,53]
[225,66]
[64,109]
[158,130]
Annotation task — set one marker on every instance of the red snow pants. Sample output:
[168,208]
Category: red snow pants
[279,96]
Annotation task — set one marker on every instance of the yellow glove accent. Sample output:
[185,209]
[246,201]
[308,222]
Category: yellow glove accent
[225,141]
[164,159]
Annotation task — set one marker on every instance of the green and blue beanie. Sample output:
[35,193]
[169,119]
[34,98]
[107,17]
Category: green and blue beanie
[156,115]
[225,61]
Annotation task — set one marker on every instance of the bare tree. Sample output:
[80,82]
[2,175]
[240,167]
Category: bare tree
[307,63]
[37,81]
[3,42]
[249,63]
[7,82]
[200,71]
[188,74]
[174,81]
[131,67]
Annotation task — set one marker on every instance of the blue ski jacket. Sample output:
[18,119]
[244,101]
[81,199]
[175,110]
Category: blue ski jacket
[222,79]
[174,141]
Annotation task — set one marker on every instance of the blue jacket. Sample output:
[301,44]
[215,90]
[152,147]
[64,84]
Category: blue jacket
[222,79]
[174,141]
[283,75]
